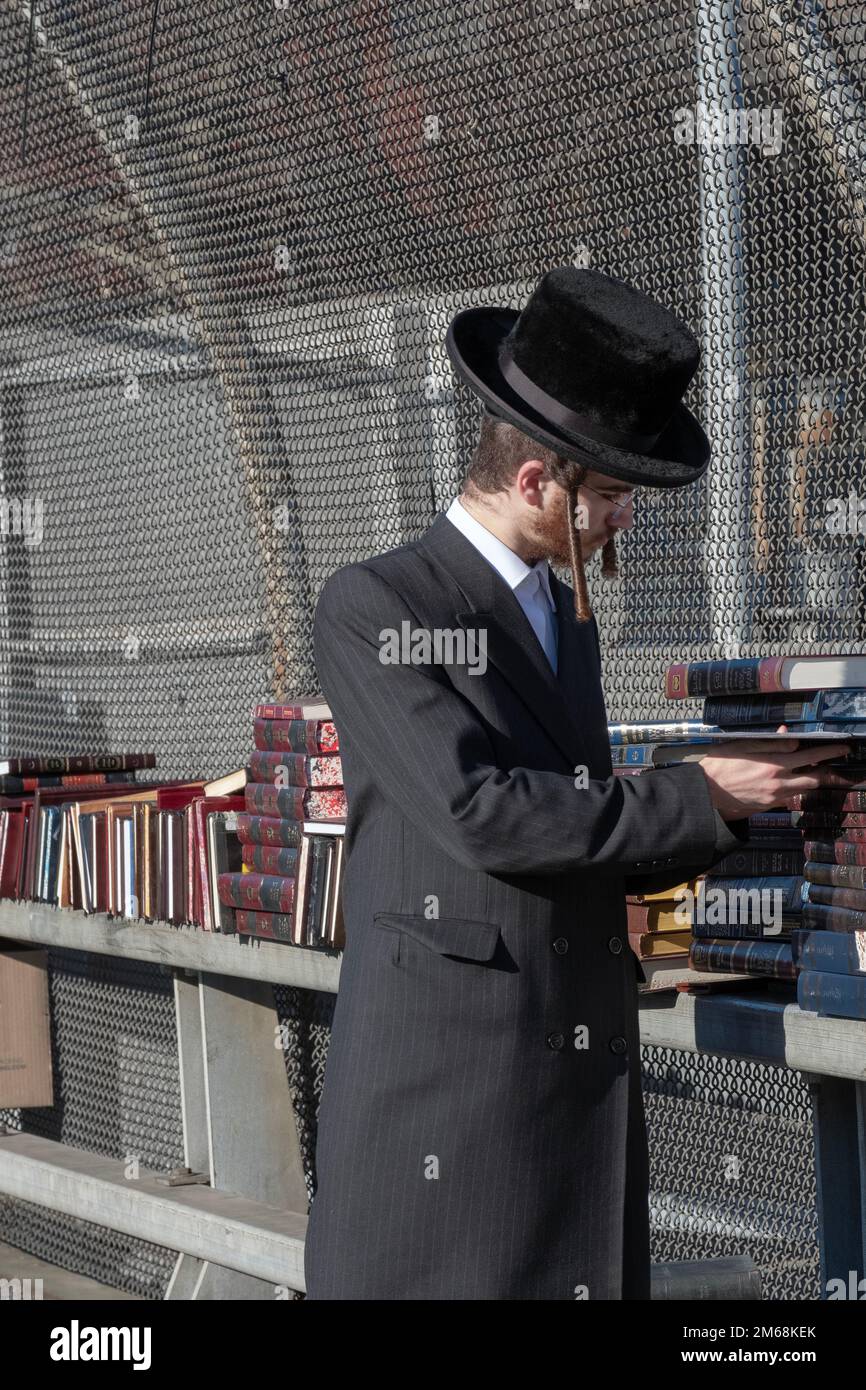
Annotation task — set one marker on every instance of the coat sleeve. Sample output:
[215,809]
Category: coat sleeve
[431,754]
[730,835]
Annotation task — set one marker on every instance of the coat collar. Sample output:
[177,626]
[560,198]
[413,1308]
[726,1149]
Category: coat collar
[484,600]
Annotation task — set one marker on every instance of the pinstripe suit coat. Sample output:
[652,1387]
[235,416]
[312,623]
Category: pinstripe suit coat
[481,1128]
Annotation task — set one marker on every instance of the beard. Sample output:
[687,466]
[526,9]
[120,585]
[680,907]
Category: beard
[549,537]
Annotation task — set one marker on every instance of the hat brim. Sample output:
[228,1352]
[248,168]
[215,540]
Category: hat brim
[680,455]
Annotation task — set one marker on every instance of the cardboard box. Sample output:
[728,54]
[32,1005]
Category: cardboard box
[25,1027]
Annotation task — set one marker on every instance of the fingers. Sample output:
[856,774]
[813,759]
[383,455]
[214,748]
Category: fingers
[783,753]
[749,748]
[821,753]
[809,781]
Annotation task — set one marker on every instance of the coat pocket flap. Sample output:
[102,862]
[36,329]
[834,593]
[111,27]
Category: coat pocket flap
[450,936]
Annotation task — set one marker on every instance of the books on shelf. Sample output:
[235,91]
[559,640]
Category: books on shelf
[809,859]
[189,852]
[288,885]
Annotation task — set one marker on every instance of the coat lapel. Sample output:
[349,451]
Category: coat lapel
[490,605]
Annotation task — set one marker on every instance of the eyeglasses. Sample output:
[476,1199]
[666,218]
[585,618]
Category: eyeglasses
[623,498]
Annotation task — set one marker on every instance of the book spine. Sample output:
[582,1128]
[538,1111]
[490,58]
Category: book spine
[842,953]
[738,931]
[643,917]
[208,909]
[633,755]
[849,704]
[308,736]
[743,676]
[262,892]
[773,958]
[273,926]
[270,859]
[820,917]
[11,785]
[834,897]
[79,762]
[264,800]
[831,995]
[256,829]
[295,803]
[756,861]
[770,820]
[303,709]
[842,875]
[837,851]
[786,891]
[735,711]
[620,734]
[295,769]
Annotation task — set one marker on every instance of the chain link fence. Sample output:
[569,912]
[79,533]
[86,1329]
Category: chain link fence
[230,245]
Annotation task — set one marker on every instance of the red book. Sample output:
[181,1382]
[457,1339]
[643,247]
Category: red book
[268,830]
[309,707]
[296,803]
[840,875]
[44,796]
[20,786]
[295,769]
[762,675]
[261,892]
[836,851]
[296,735]
[271,859]
[76,762]
[11,861]
[201,807]
[275,926]
[178,795]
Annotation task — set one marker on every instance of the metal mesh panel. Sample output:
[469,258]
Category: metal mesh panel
[732,1166]
[230,245]
[116,1093]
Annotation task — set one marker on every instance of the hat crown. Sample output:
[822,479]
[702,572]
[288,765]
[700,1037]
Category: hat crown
[603,349]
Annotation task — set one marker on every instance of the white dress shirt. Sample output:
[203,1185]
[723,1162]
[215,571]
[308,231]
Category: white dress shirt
[530,583]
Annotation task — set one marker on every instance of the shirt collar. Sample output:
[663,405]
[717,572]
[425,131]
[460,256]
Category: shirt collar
[505,561]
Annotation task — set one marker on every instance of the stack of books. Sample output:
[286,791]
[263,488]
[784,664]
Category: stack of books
[289,883]
[656,929]
[789,887]
[679,935]
[830,949]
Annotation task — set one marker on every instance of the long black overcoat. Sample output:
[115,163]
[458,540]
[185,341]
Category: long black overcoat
[481,1128]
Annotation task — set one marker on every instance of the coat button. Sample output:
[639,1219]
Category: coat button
[615,945]
[555,1041]
[618,1045]
[560,945]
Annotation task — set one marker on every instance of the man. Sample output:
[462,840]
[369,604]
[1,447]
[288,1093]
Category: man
[481,1129]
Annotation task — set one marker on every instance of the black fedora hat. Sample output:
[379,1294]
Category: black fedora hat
[594,369]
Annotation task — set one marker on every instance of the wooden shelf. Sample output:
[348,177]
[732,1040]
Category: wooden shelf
[757,1028]
[183,948]
[761,1028]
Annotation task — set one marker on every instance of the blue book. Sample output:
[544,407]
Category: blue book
[831,995]
[662,731]
[836,952]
